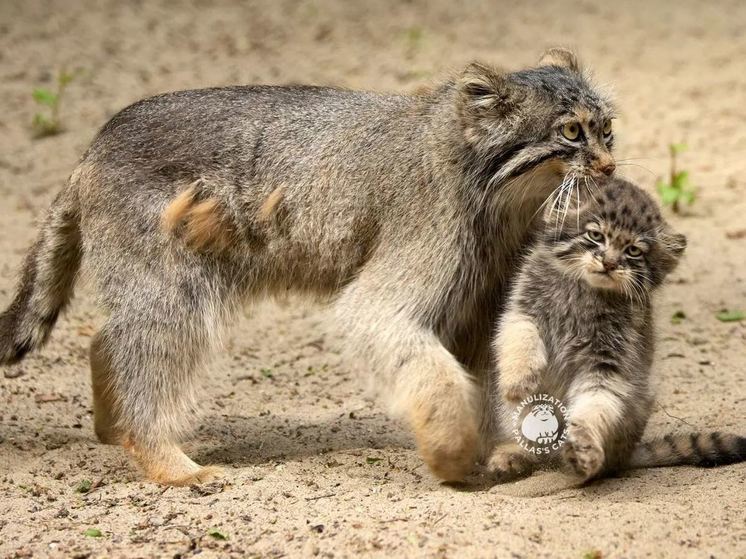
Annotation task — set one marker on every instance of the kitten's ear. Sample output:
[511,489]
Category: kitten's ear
[674,243]
[563,58]
[671,246]
[485,90]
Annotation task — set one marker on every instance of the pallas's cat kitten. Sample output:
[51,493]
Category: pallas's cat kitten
[578,327]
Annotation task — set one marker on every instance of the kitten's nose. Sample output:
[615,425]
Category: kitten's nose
[609,265]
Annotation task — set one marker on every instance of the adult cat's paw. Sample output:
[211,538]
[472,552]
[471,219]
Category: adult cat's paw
[446,431]
[509,461]
[582,452]
[520,387]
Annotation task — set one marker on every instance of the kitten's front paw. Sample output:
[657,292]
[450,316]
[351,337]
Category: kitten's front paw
[519,389]
[582,452]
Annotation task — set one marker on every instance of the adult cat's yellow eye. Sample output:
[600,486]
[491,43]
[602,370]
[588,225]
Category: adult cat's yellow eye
[571,131]
[607,127]
[633,251]
[595,236]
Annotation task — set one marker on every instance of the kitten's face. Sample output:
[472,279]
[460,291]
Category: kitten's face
[617,240]
[546,121]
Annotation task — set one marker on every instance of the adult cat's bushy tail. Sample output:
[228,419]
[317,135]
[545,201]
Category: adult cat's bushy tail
[46,283]
[705,450]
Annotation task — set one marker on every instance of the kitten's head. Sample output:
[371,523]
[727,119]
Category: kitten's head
[616,239]
[548,118]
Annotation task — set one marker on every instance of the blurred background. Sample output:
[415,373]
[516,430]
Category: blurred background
[280,405]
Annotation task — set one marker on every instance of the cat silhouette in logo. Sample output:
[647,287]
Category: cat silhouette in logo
[540,425]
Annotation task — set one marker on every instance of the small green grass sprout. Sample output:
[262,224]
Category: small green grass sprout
[678,190]
[48,121]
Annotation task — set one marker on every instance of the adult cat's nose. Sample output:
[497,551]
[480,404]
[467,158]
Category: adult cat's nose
[609,265]
[608,168]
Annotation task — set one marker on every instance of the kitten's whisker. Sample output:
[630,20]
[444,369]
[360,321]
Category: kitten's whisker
[636,289]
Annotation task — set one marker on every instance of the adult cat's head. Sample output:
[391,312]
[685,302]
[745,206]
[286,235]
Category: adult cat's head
[548,125]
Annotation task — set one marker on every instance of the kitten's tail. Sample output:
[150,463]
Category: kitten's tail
[47,279]
[705,450]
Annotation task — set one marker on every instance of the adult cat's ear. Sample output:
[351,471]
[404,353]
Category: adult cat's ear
[484,91]
[562,58]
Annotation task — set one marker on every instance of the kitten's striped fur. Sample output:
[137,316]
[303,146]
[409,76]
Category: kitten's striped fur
[578,326]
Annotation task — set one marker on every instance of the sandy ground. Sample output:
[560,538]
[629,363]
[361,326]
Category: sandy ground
[313,467]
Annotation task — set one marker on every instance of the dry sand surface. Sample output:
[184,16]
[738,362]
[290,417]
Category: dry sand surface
[313,467]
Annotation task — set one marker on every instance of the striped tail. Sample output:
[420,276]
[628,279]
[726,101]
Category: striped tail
[705,450]
[47,281]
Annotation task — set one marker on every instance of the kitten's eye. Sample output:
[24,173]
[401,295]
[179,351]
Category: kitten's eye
[607,127]
[633,251]
[595,236]
[571,131]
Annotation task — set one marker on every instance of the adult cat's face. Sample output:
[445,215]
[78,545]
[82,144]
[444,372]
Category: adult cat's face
[547,123]
[617,240]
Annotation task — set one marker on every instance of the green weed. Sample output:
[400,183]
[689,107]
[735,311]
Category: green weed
[678,190]
[48,122]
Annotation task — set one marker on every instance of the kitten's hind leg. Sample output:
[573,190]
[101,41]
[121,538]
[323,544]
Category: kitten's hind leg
[607,418]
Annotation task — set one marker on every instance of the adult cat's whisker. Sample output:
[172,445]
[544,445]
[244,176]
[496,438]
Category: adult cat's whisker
[621,163]
[550,198]
[593,182]
[566,193]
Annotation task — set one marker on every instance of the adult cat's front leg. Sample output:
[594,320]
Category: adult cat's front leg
[420,380]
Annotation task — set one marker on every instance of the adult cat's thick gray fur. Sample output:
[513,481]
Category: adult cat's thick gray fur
[407,209]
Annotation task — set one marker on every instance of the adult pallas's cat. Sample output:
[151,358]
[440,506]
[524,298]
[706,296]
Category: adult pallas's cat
[407,209]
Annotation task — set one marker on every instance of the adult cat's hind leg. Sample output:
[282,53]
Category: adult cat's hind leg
[162,461]
[166,463]
[145,362]
[143,371]
[104,406]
